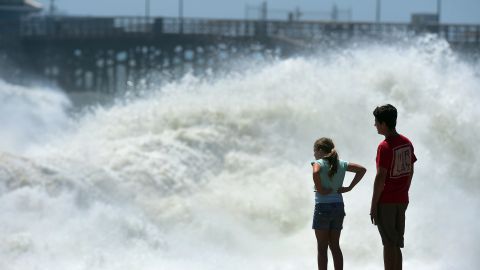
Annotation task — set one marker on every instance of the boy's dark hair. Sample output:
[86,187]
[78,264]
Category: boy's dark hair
[386,114]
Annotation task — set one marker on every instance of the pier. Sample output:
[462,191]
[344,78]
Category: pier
[107,53]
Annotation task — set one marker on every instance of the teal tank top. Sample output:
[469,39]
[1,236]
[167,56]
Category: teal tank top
[335,182]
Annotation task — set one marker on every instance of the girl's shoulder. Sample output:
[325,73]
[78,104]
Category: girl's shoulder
[343,163]
[318,161]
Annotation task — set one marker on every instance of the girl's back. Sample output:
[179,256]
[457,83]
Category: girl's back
[334,183]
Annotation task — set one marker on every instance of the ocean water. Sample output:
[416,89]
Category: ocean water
[215,174]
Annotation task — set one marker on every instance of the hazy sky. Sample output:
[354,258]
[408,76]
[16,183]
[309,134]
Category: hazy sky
[453,11]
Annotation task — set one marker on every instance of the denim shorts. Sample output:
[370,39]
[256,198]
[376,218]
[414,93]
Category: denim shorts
[328,216]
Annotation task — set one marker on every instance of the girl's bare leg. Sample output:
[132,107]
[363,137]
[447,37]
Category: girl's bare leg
[334,244]
[322,246]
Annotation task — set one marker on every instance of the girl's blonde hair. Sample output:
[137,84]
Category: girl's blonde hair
[327,146]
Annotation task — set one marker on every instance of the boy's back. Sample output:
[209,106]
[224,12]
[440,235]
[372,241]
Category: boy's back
[396,154]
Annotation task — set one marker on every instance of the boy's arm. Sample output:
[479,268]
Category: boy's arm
[411,177]
[377,191]
[317,181]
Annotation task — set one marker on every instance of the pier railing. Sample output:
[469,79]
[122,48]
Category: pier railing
[104,27]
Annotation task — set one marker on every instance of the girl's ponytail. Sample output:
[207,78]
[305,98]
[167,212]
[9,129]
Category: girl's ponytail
[327,146]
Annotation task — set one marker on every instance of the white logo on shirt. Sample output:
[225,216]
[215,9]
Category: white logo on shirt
[402,161]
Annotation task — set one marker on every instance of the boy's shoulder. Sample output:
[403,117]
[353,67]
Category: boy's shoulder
[405,139]
[392,142]
[384,144]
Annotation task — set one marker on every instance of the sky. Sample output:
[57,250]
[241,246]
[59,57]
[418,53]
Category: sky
[453,11]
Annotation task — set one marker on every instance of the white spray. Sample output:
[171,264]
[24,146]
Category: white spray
[216,175]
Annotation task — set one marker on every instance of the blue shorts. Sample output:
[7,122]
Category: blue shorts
[328,216]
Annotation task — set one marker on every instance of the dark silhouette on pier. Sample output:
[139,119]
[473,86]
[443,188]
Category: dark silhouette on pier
[104,53]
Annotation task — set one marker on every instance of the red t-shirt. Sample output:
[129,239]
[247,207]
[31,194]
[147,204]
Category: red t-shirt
[396,155]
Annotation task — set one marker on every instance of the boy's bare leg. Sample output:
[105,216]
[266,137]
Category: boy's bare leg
[399,258]
[392,257]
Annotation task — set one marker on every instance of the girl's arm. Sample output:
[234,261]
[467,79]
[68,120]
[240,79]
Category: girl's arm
[359,173]
[317,181]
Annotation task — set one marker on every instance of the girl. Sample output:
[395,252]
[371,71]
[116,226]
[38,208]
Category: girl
[328,175]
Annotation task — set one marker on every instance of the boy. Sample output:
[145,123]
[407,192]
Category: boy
[395,159]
